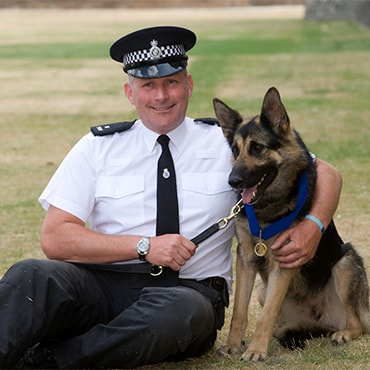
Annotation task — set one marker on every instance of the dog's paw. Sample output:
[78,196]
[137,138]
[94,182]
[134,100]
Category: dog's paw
[229,350]
[341,337]
[254,356]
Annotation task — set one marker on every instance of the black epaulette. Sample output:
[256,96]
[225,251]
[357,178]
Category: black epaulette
[111,128]
[208,121]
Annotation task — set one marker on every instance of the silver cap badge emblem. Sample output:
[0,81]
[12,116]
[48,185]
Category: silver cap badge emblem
[155,52]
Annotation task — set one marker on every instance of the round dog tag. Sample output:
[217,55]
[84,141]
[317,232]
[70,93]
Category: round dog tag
[260,249]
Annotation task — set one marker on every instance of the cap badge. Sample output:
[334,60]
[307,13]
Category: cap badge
[155,52]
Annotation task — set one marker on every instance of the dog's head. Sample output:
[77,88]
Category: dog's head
[262,147]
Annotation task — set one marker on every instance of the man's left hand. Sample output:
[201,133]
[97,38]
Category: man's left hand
[297,245]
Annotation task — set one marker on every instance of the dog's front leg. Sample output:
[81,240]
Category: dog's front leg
[277,287]
[245,277]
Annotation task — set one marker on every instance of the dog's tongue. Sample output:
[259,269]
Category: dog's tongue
[247,194]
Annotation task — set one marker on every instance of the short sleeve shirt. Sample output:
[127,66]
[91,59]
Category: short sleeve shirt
[109,182]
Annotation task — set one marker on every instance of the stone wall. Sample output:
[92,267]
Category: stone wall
[357,11]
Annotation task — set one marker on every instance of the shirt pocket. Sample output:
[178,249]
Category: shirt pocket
[118,186]
[209,183]
[119,204]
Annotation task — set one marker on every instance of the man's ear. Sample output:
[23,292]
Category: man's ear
[128,91]
[190,85]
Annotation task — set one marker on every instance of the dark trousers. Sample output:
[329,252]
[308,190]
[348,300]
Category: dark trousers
[101,319]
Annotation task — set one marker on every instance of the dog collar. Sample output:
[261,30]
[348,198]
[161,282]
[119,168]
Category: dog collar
[282,224]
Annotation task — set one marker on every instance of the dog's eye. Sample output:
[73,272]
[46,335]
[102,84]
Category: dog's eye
[256,148]
[235,150]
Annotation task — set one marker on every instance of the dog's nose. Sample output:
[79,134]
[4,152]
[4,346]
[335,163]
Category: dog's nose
[235,180]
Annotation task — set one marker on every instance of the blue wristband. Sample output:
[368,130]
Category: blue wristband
[317,222]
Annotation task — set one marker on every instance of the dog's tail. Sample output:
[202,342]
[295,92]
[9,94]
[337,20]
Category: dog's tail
[365,320]
[296,338]
[359,293]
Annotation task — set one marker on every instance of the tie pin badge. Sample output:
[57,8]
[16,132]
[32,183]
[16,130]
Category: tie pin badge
[166,173]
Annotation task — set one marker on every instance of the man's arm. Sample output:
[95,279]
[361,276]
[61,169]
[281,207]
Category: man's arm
[297,245]
[64,237]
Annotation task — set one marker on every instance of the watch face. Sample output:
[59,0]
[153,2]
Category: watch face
[143,246]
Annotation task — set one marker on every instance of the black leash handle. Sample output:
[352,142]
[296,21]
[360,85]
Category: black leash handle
[206,234]
[220,224]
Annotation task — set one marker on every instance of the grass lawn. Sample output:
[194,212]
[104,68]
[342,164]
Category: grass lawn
[57,80]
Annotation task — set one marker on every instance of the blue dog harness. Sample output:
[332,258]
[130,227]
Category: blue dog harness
[282,224]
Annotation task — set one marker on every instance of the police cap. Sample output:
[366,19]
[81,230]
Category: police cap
[154,52]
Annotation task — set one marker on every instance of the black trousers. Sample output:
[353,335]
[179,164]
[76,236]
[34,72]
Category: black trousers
[103,319]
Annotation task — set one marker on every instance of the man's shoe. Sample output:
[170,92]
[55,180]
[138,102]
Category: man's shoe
[38,357]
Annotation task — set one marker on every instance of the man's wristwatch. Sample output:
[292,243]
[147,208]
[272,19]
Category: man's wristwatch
[143,247]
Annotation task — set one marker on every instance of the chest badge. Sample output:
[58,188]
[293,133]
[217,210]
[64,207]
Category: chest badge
[166,173]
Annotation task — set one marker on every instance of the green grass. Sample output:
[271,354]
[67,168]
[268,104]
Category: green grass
[57,80]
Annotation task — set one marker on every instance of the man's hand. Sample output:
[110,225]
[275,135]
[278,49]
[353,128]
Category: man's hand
[297,245]
[170,250]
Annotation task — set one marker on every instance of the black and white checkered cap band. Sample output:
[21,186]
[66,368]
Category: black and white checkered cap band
[154,53]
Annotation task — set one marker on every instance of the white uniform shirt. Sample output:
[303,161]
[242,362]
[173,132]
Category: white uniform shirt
[109,182]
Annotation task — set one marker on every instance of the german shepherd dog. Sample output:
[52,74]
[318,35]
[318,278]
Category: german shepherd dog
[329,295]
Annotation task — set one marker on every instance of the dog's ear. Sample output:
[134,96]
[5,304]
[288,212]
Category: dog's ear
[273,112]
[228,118]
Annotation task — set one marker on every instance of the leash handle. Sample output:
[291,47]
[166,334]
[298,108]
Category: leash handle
[206,234]
[220,224]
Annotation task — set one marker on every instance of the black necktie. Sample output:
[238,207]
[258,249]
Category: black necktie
[167,204]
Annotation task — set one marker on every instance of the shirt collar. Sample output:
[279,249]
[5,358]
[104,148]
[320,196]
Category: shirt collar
[176,136]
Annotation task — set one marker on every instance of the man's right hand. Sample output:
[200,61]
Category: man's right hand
[170,250]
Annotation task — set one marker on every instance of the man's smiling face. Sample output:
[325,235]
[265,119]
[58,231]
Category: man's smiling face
[161,102]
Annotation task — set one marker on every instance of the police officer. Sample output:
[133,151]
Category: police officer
[115,292]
